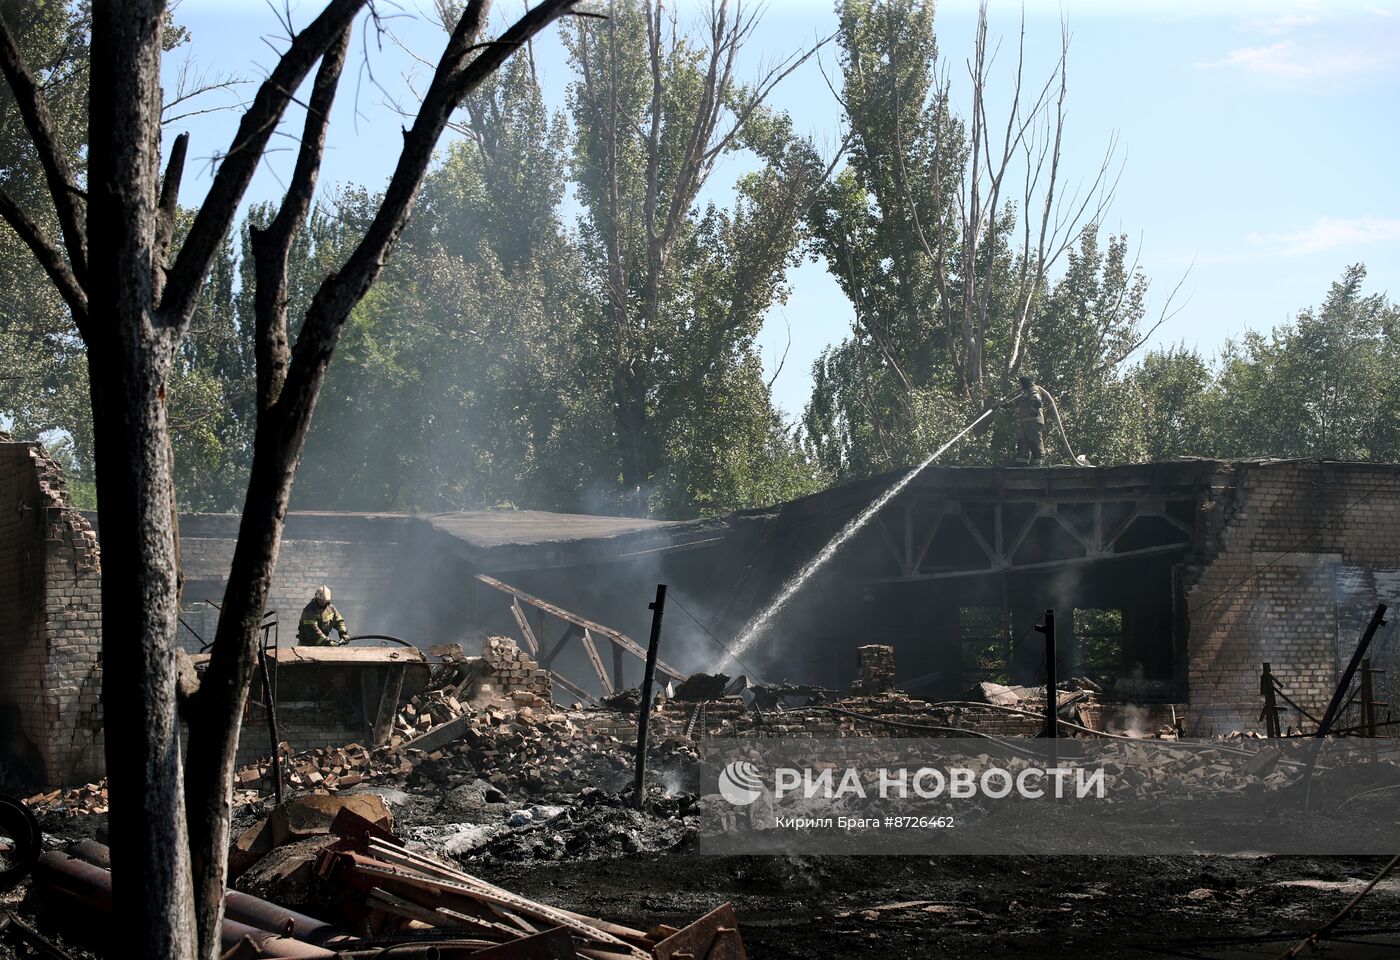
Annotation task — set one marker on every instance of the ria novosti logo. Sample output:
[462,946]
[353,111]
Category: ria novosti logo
[740,783]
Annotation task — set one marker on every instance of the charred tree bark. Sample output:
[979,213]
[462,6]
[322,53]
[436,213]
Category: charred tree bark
[129,355]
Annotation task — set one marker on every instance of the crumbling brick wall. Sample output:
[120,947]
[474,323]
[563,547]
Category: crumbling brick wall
[50,626]
[510,672]
[1296,555]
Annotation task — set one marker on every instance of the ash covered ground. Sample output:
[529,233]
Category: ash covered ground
[536,799]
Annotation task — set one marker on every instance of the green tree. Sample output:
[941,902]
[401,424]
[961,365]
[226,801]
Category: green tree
[677,291]
[1324,385]
[43,386]
[943,231]
[464,380]
[1170,405]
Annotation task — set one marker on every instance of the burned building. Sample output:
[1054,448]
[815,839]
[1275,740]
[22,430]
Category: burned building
[1173,584]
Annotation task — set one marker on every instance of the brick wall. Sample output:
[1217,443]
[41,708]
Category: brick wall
[50,626]
[1296,554]
[371,562]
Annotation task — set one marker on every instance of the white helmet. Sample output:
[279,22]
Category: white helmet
[323,593]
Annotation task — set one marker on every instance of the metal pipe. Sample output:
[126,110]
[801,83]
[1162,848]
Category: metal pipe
[1343,685]
[91,851]
[270,704]
[270,944]
[1052,695]
[256,912]
[75,876]
[75,879]
[657,607]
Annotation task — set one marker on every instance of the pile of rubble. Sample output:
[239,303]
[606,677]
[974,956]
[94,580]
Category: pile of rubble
[373,894]
[502,674]
[89,799]
[508,747]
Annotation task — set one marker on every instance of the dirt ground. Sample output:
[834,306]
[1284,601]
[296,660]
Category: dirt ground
[962,906]
[992,907]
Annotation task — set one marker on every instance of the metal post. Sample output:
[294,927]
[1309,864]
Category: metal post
[270,701]
[1052,697]
[1338,697]
[1270,714]
[1343,685]
[657,607]
[1368,701]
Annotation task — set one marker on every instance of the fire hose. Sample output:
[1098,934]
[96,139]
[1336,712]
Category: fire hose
[1078,461]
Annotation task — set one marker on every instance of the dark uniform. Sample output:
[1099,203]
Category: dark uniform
[1030,426]
[316,625]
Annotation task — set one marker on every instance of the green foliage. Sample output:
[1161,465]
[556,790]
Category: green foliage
[1098,638]
[1325,385]
[511,357]
[43,373]
[675,293]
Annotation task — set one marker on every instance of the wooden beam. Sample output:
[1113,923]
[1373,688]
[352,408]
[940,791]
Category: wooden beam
[590,648]
[1122,527]
[888,538]
[525,630]
[908,564]
[572,687]
[388,704]
[982,543]
[1082,540]
[928,541]
[607,633]
[1020,537]
[1159,510]
[570,629]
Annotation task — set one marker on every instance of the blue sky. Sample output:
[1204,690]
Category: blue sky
[1258,141]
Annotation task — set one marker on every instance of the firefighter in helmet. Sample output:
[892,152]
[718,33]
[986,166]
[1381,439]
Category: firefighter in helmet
[1030,423]
[318,619]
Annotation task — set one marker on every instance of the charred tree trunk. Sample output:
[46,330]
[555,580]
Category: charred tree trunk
[130,350]
[630,396]
[215,722]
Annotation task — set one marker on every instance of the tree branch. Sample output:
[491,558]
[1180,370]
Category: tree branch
[169,202]
[456,76]
[34,109]
[272,246]
[49,257]
[236,171]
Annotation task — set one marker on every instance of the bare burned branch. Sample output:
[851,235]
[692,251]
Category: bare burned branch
[49,257]
[211,224]
[34,109]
